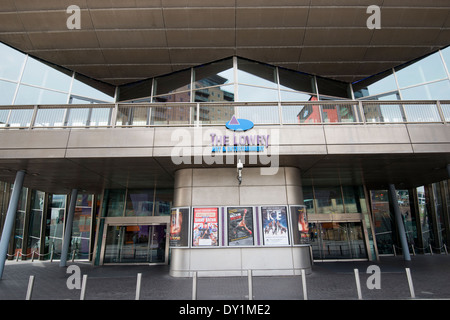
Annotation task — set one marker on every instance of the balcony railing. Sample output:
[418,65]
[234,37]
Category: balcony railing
[201,114]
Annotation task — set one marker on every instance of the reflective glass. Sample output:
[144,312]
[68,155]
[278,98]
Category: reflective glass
[139,203]
[163,201]
[55,225]
[81,227]
[333,88]
[183,96]
[383,222]
[30,95]
[3,116]
[215,94]
[308,199]
[433,91]
[425,216]
[7,90]
[383,113]
[374,85]
[295,96]
[256,94]
[135,90]
[100,117]
[178,81]
[291,80]
[168,114]
[328,200]
[11,64]
[446,54]
[213,74]
[34,226]
[259,114]
[40,74]
[301,114]
[427,69]
[354,199]
[78,117]
[256,74]
[85,90]
[422,113]
[115,202]
[49,117]
[20,117]
[215,114]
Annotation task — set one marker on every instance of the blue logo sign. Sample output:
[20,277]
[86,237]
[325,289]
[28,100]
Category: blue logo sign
[239,124]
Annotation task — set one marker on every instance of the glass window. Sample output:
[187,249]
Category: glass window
[213,74]
[11,64]
[333,88]
[295,96]
[115,202]
[163,201]
[354,199]
[30,95]
[383,222]
[432,91]
[257,74]
[34,227]
[427,69]
[43,75]
[135,90]
[291,80]
[256,94]
[139,203]
[446,54]
[175,82]
[7,90]
[215,94]
[176,97]
[55,225]
[377,84]
[328,200]
[81,228]
[82,89]
[308,199]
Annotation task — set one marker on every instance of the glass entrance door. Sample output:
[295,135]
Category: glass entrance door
[135,244]
[337,240]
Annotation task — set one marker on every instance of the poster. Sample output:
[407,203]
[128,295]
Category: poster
[205,227]
[179,230]
[300,229]
[275,225]
[240,226]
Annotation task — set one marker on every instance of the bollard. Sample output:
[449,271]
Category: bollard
[250,285]
[138,286]
[410,283]
[194,286]
[358,284]
[83,287]
[30,288]
[305,292]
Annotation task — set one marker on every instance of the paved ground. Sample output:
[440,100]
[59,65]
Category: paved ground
[328,281]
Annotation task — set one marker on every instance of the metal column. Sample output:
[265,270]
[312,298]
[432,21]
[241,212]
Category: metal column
[68,228]
[399,222]
[10,218]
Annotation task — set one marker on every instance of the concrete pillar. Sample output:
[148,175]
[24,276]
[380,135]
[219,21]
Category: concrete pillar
[68,228]
[399,223]
[10,218]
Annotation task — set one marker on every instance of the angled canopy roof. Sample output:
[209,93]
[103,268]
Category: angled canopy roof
[122,41]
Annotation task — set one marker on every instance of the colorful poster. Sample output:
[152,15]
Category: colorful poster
[205,227]
[240,226]
[275,225]
[300,229]
[179,230]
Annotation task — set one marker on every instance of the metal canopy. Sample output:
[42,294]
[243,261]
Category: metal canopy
[122,41]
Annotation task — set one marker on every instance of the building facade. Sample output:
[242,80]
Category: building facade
[148,171]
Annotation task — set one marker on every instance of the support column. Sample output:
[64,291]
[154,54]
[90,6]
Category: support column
[10,218]
[68,228]
[399,222]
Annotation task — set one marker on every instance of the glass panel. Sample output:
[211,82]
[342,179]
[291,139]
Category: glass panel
[20,222]
[215,114]
[295,96]
[337,113]
[383,113]
[275,225]
[215,94]
[427,69]
[100,116]
[81,228]
[12,62]
[176,97]
[30,96]
[356,240]
[205,227]
[168,114]
[259,114]
[292,80]
[433,91]
[426,221]
[354,199]
[34,227]
[78,117]
[308,199]
[20,117]
[383,82]
[257,74]
[135,90]
[446,54]
[163,201]
[333,88]
[213,74]
[255,94]
[7,90]
[55,226]
[240,226]
[49,118]
[178,81]
[383,222]
[82,89]
[139,203]
[4,116]
[328,200]
[301,114]
[115,202]
[179,227]
[42,75]
[422,113]
[132,115]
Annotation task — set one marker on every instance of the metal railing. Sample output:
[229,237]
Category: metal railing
[210,114]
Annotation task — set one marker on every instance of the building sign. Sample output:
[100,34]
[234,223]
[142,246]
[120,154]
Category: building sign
[300,229]
[205,227]
[239,142]
[179,221]
[275,225]
[240,226]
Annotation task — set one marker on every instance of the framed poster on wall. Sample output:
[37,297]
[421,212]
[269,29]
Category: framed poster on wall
[300,229]
[240,226]
[179,227]
[275,228]
[205,227]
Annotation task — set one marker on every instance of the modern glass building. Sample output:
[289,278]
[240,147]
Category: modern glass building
[143,166]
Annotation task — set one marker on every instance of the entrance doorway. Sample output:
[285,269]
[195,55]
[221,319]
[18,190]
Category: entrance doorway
[337,240]
[136,244]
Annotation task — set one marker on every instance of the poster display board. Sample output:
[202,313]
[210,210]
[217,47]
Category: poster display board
[205,227]
[300,229]
[275,225]
[240,226]
[179,227]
